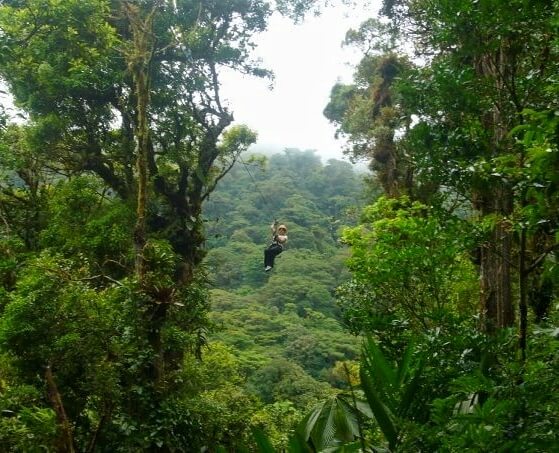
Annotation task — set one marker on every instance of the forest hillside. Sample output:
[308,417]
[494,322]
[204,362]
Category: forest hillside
[288,316]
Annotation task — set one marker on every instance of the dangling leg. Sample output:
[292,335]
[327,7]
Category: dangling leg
[268,258]
[270,254]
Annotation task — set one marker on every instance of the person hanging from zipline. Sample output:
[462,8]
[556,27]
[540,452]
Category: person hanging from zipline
[279,239]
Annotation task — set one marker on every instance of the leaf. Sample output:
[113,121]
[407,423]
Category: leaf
[381,371]
[364,408]
[331,423]
[410,392]
[346,421]
[263,443]
[404,365]
[328,431]
[298,445]
[323,430]
[382,413]
[311,420]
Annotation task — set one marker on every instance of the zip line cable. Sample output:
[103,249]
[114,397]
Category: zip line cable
[188,56]
[267,203]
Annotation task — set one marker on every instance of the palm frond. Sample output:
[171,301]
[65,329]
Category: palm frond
[346,420]
[310,421]
[409,392]
[332,423]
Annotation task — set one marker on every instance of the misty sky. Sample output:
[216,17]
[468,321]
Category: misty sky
[307,60]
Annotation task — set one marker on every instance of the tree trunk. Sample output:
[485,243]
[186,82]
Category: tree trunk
[495,280]
[142,92]
[139,61]
[496,300]
[66,440]
[523,304]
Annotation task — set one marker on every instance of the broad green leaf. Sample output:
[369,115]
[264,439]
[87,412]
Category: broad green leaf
[364,408]
[311,420]
[262,441]
[405,363]
[346,420]
[327,426]
[382,413]
[409,393]
[381,372]
[297,444]
[332,423]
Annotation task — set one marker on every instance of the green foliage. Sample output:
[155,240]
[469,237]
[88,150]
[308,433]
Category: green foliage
[11,251]
[25,424]
[84,220]
[407,262]
[277,421]
[288,313]
[260,333]
[498,407]
[481,151]
[22,188]
[391,392]
[282,325]
[537,180]
[54,318]
[370,112]
[449,392]
[295,186]
[124,349]
[237,139]
[263,443]
[284,380]
[92,330]
[72,308]
[49,25]
[476,128]
[32,430]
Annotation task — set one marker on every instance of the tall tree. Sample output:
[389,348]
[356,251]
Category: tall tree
[369,112]
[484,63]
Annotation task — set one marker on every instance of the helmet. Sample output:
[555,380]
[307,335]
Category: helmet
[282,226]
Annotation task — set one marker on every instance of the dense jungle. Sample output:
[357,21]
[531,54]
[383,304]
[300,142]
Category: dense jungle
[414,307]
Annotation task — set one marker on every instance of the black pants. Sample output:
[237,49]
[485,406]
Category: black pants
[270,254]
